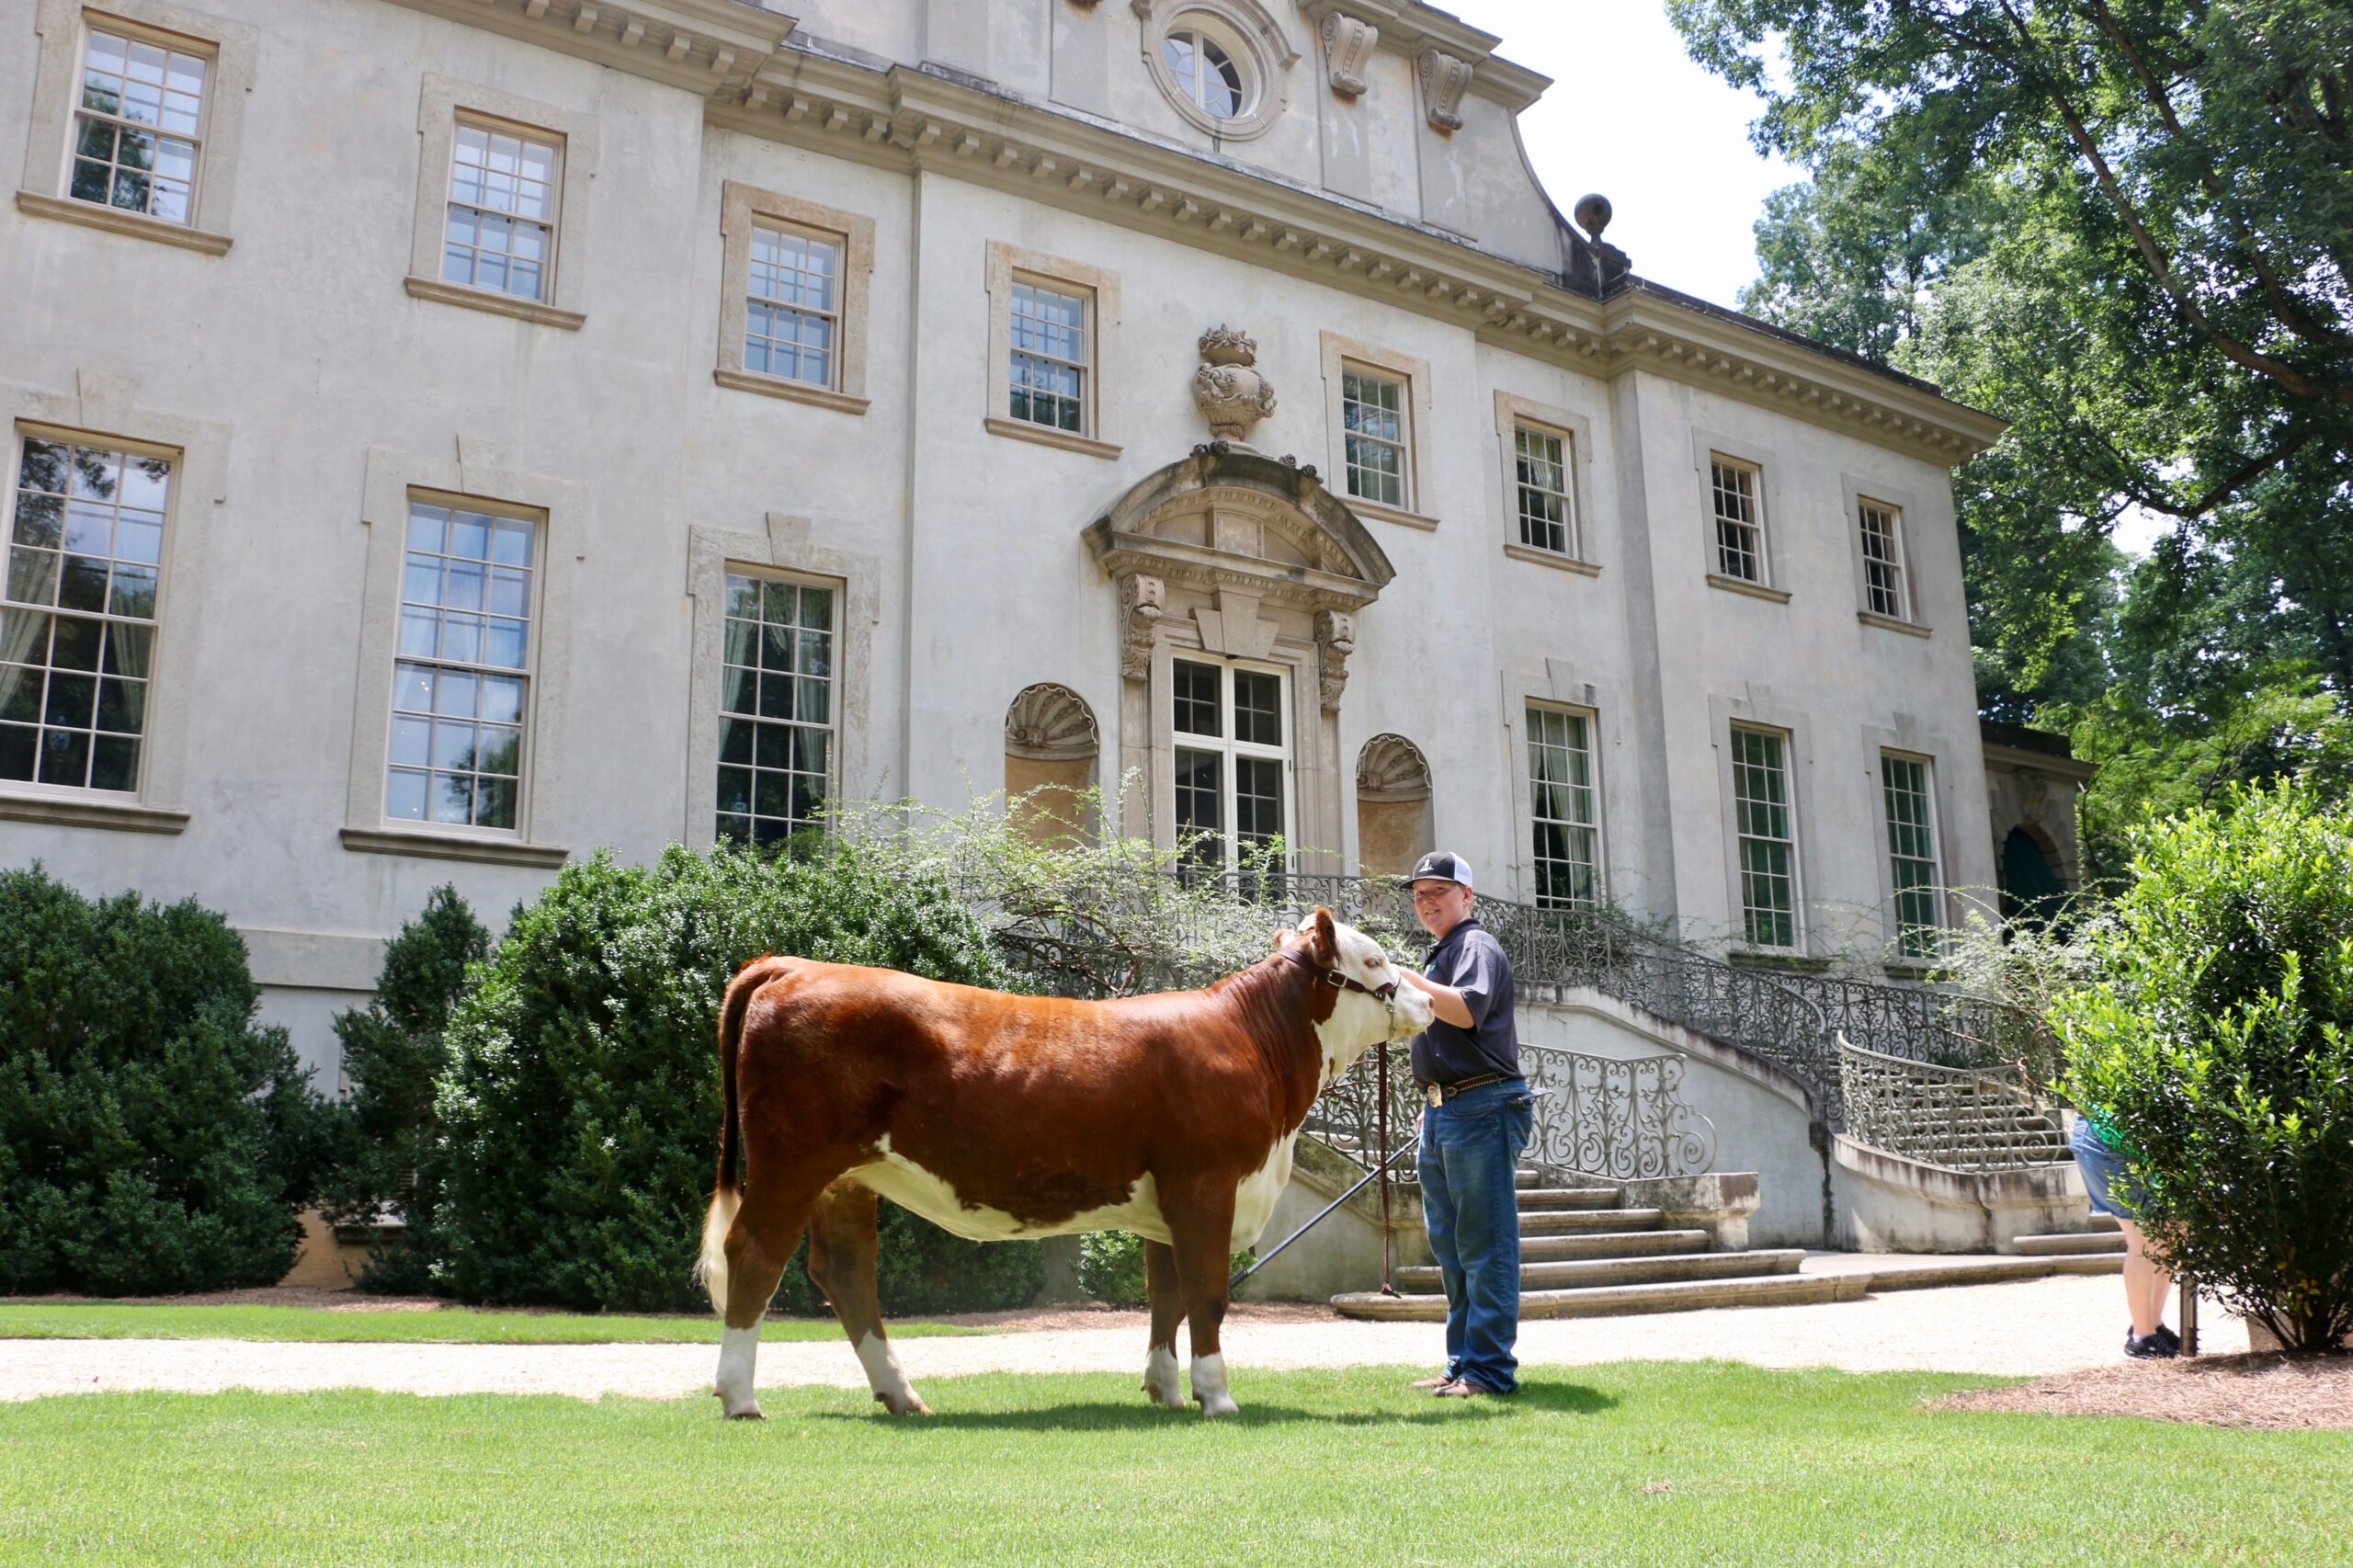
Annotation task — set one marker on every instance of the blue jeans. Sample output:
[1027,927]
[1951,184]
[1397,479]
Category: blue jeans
[1470,1148]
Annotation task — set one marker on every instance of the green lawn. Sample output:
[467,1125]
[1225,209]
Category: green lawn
[1709,1463]
[447,1325]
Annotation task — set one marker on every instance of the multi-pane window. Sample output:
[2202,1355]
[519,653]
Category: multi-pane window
[77,630]
[1204,73]
[1372,421]
[1232,763]
[461,682]
[1560,801]
[137,128]
[1883,560]
[794,312]
[1911,853]
[1740,533]
[1540,466]
[500,232]
[1760,798]
[1050,362]
[776,709]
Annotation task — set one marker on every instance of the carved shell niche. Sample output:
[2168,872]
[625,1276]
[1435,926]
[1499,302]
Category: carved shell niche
[1050,723]
[1391,767]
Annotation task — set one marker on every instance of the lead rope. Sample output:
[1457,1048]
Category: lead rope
[1387,1157]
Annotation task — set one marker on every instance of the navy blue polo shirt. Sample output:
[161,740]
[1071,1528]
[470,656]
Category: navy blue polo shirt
[1472,961]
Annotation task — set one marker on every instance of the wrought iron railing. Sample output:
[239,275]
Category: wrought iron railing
[1795,1020]
[1967,1119]
[1594,1115]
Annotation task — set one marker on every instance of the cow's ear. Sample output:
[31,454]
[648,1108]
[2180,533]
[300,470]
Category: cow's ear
[1284,938]
[1325,941]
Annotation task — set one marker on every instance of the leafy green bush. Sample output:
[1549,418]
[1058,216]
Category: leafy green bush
[1111,1266]
[579,1110]
[2219,1041]
[152,1138]
[393,1052]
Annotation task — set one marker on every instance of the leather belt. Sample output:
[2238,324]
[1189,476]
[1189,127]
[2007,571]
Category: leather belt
[1438,1094]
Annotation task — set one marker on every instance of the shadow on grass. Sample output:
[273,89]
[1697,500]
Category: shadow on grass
[1100,1415]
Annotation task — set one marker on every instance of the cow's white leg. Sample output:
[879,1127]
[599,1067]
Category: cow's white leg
[1209,1386]
[890,1383]
[1162,1384]
[739,1349]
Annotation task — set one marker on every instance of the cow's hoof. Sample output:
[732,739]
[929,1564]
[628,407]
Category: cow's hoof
[1164,1399]
[1220,1404]
[749,1413]
[912,1405]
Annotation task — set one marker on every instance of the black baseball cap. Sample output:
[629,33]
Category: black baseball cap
[1440,865]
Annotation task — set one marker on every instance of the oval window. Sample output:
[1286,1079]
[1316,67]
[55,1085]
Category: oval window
[1205,73]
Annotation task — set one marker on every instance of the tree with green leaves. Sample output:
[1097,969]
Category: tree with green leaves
[2127,227]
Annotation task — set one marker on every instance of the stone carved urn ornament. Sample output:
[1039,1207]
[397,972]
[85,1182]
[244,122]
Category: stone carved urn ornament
[1228,389]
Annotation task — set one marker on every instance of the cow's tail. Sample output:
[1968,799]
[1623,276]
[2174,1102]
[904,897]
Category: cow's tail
[728,1196]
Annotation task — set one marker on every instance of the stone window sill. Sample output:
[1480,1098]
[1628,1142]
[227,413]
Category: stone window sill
[117,222]
[1754,590]
[496,303]
[1889,623]
[119,815]
[1045,436]
[1551,558]
[1386,514]
[453,847]
[791,390]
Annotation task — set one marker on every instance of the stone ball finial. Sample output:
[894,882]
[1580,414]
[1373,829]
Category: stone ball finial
[1227,389]
[1592,213]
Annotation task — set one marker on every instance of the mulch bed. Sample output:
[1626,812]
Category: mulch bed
[2276,1393]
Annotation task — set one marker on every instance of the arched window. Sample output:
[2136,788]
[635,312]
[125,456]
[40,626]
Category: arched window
[1050,744]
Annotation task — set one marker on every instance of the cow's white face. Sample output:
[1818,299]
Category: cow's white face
[1362,959]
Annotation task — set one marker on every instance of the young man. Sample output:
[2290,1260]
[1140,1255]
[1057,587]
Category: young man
[1475,1121]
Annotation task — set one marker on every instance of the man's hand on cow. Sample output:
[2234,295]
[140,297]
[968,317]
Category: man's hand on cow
[1445,1000]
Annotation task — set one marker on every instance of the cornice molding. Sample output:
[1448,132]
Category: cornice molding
[907,117]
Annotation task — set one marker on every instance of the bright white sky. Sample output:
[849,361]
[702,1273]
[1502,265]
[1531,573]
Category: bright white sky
[1629,114]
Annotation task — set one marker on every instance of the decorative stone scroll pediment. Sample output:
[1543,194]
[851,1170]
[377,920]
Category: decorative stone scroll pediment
[1348,49]
[1444,79]
[1242,535]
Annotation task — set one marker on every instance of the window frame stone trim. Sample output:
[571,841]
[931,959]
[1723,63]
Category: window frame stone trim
[1767,461]
[1758,709]
[784,548]
[1904,738]
[1512,410]
[1334,354]
[741,207]
[1101,439]
[1853,491]
[106,408]
[60,25]
[441,101]
[476,473]
[1271,52]
[1564,684]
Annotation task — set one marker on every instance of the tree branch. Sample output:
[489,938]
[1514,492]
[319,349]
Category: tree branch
[2286,308]
[2160,265]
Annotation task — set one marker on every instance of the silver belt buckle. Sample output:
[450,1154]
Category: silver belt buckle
[1433,1094]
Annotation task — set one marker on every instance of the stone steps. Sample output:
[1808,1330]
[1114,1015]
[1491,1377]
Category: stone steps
[2071,1243]
[1598,1272]
[1612,1300]
[1587,1222]
[1531,1198]
[1611,1244]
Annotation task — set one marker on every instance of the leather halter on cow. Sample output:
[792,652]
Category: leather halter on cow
[1000,1117]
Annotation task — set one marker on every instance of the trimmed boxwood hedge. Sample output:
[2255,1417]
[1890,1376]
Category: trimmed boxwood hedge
[152,1138]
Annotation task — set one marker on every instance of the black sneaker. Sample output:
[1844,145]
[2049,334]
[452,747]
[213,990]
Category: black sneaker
[2169,1336]
[2147,1347]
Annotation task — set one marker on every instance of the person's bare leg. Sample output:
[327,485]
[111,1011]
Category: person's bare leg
[2146,1286]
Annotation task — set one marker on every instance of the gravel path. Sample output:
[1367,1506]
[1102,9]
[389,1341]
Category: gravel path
[2030,1328]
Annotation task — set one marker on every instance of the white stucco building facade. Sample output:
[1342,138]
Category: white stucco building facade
[449,437]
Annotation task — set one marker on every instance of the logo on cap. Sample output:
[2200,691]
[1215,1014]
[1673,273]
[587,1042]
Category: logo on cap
[1443,865]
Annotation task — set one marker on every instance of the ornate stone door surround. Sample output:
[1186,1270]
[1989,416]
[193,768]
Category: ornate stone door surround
[1232,552]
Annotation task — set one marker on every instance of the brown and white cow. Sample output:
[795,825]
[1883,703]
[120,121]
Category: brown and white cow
[998,1117]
